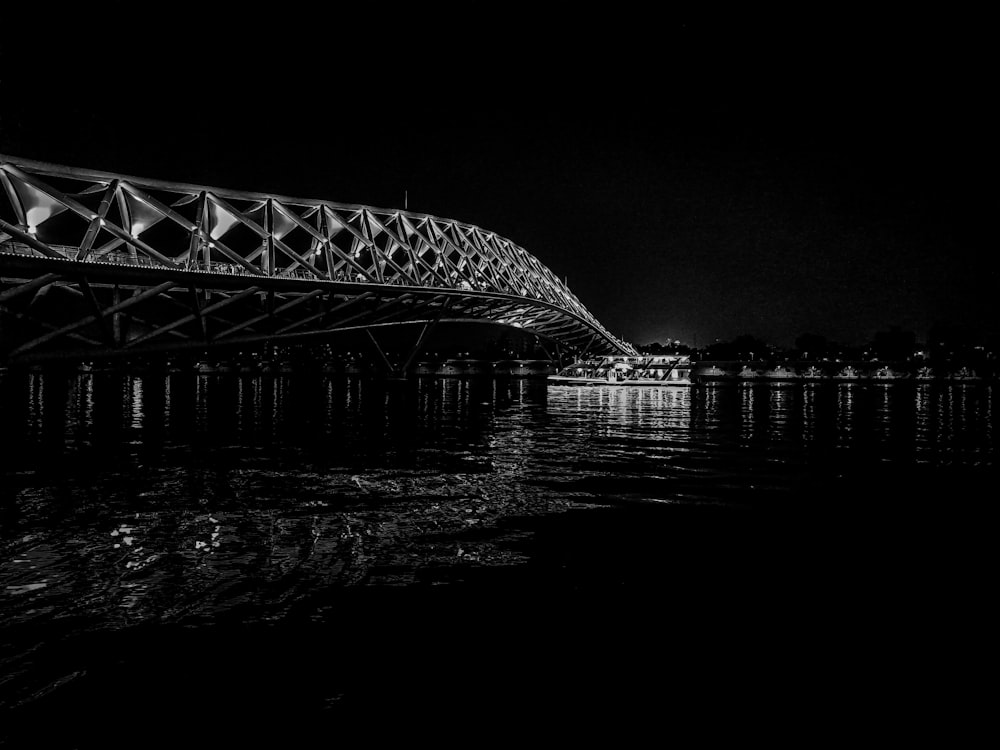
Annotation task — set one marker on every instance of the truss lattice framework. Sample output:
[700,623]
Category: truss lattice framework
[93,219]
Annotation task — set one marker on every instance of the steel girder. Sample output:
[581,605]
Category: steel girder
[93,263]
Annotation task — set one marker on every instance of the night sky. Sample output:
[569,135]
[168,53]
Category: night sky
[693,178]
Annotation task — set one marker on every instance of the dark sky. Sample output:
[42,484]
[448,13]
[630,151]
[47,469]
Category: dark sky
[693,177]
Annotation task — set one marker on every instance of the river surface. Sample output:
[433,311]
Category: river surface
[221,556]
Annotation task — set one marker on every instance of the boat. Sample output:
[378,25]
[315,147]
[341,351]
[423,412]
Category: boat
[522,368]
[657,370]
[780,373]
[464,367]
[711,373]
[887,373]
[847,373]
[965,374]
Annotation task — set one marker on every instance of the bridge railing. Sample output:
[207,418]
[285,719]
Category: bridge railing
[13,247]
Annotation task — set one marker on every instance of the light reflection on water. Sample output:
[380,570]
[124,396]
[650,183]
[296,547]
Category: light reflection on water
[133,497]
[845,413]
[809,412]
[747,413]
[780,406]
[196,515]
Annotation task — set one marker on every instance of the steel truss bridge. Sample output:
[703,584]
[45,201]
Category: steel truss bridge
[94,264]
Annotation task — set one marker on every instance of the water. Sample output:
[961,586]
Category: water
[193,551]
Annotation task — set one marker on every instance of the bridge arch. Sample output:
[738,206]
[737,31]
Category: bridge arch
[95,263]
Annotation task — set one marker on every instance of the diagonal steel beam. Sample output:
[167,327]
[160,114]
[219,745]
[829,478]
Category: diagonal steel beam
[336,308]
[81,210]
[168,212]
[380,313]
[30,240]
[287,306]
[91,318]
[15,200]
[381,353]
[98,221]
[43,324]
[374,311]
[429,326]
[225,301]
[239,215]
[88,294]
[200,315]
[91,300]
[381,225]
[30,286]
[297,258]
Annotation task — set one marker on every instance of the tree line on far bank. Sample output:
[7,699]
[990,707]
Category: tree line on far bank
[945,345]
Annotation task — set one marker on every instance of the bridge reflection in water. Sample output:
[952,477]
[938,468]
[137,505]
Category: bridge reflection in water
[97,264]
